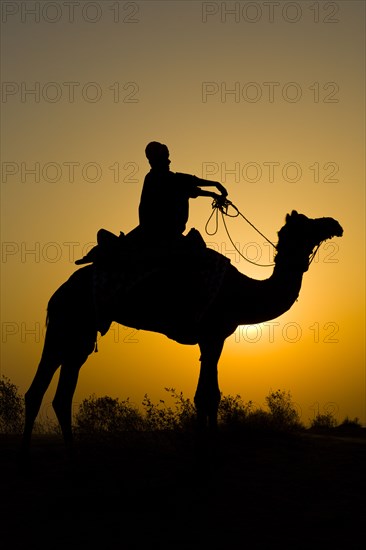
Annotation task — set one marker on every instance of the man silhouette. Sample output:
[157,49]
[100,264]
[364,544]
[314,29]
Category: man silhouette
[163,209]
[164,204]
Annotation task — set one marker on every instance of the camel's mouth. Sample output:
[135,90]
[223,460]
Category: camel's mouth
[329,228]
[339,232]
[321,229]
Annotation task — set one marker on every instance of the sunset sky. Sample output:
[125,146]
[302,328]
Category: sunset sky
[266,97]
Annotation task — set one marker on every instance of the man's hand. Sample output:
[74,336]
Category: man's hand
[220,199]
[222,189]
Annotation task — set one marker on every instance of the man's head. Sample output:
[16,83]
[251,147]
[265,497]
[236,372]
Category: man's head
[157,155]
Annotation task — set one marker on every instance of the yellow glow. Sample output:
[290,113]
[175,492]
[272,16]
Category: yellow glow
[164,74]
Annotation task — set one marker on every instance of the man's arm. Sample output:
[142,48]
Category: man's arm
[206,183]
[196,183]
[202,193]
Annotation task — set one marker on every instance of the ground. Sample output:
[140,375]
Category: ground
[178,491]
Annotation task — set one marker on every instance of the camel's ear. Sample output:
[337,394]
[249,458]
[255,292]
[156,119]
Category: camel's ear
[289,216]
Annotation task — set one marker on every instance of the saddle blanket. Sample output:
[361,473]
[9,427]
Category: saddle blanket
[159,289]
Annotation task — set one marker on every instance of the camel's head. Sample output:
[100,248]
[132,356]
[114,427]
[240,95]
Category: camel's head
[301,235]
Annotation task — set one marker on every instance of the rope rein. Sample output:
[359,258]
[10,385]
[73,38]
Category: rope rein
[223,207]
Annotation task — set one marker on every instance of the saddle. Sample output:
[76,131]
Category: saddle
[110,246]
[166,277]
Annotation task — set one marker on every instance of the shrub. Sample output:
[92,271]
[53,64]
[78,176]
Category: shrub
[282,410]
[162,417]
[11,407]
[107,415]
[349,423]
[282,415]
[324,421]
[233,411]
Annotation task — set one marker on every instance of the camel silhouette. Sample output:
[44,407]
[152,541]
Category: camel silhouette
[72,324]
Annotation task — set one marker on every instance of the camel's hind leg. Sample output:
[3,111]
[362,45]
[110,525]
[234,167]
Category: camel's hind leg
[50,361]
[62,402]
[70,338]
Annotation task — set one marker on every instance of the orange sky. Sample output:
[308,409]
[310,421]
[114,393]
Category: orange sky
[267,98]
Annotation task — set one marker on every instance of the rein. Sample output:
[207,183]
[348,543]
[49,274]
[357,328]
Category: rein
[223,207]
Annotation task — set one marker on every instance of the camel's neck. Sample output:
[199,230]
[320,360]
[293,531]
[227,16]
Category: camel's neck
[259,301]
[286,282]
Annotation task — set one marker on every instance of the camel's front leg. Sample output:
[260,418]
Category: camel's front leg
[207,397]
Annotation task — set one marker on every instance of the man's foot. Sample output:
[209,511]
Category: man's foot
[89,258]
